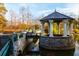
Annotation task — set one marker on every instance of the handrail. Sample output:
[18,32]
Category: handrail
[4,49]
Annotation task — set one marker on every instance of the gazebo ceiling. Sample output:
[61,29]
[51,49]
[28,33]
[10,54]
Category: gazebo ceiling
[56,16]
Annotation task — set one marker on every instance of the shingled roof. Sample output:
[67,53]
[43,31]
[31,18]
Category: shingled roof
[56,16]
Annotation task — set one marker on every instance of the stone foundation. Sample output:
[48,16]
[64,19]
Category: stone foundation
[57,42]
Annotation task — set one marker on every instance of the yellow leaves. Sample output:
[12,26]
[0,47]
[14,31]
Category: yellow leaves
[46,26]
[23,26]
[38,31]
[76,30]
[58,30]
[2,18]
[30,30]
[45,34]
[76,34]
[2,8]
[61,28]
[55,30]
[36,26]
[2,23]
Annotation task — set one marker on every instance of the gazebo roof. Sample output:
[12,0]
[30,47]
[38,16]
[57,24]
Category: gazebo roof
[56,16]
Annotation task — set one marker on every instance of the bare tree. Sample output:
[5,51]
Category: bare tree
[25,14]
[13,17]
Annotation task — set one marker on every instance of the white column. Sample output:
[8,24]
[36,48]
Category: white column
[51,28]
[71,28]
[59,28]
[68,29]
[42,28]
[65,28]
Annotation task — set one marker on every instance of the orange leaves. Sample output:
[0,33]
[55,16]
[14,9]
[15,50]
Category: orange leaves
[36,26]
[46,26]
[22,26]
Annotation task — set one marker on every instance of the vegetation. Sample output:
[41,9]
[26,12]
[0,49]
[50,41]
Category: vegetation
[23,22]
[17,23]
[76,29]
[2,17]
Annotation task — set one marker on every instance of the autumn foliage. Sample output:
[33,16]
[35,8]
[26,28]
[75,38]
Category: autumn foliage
[13,26]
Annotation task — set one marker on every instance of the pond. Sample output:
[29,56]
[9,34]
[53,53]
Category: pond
[76,52]
[44,52]
[38,51]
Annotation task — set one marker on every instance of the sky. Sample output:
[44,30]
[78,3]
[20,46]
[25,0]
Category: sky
[38,9]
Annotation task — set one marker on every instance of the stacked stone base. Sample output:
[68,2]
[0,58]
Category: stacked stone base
[57,42]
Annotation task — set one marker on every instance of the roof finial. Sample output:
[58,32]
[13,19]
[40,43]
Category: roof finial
[55,10]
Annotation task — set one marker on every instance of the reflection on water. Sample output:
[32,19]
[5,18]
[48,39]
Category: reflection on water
[44,52]
[76,53]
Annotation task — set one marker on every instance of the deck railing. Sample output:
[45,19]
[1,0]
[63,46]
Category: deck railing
[7,45]
[5,49]
[10,40]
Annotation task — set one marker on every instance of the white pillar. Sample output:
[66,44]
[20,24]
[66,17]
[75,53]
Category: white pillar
[42,28]
[71,28]
[68,32]
[59,28]
[51,28]
[68,29]
[65,28]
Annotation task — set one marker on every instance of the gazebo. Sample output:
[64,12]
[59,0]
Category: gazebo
[57,41]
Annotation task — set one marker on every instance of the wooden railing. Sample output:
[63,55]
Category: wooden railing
[8,47]
[5,49]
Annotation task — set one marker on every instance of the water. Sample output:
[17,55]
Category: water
[44,52]
[35,50]
[76,52]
